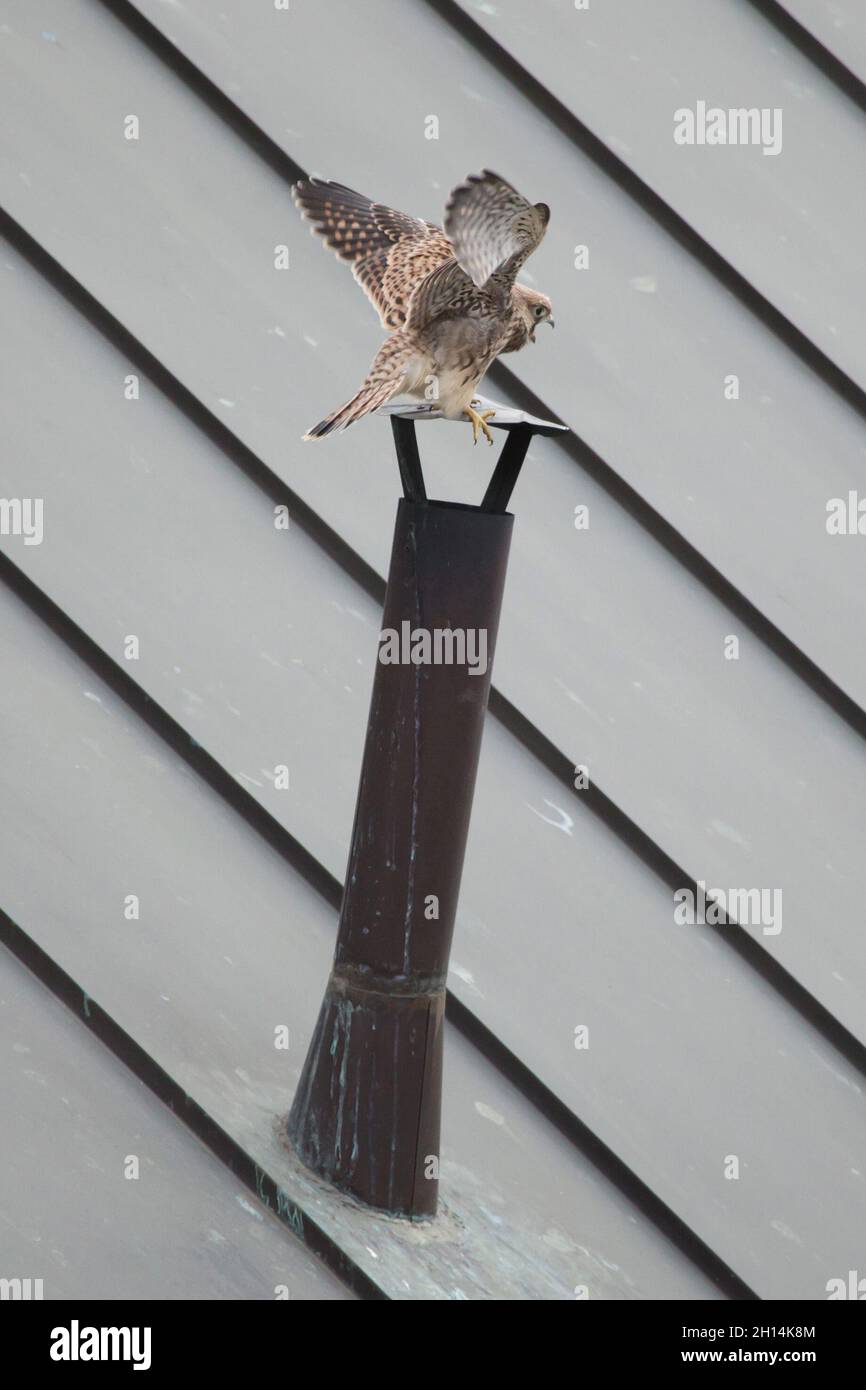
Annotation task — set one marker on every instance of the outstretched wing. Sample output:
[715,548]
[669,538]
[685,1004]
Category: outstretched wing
[389,251]
[492,227]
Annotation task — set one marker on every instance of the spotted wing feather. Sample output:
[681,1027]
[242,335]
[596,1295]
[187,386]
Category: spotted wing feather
[390,252]
[493,228]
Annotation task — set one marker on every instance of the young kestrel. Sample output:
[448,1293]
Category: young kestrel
[449,296]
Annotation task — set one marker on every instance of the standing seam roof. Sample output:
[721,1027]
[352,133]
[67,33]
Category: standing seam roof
[147,547]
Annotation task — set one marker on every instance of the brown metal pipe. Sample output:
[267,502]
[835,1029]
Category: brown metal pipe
[366,1112]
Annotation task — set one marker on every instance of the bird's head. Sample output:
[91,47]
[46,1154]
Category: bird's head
[534,308]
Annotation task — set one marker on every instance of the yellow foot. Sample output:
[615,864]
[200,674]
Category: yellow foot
[479,422]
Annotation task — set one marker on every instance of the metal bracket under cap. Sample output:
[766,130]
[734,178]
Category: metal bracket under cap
[519,426]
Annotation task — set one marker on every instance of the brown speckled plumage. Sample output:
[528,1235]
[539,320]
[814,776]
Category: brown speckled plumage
[449,296]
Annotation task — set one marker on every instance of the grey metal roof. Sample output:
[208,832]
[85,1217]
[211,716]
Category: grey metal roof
[230,944]
[788,221]
[90,1224]
[838,25]
[257,645]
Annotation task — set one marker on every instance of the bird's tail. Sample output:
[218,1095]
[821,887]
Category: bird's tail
[386,378]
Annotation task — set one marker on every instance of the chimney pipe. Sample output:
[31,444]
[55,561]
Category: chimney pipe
[366,1113]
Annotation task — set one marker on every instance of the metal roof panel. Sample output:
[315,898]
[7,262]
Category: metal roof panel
[230,943]
[788,220]
[263,649]
[75,1213]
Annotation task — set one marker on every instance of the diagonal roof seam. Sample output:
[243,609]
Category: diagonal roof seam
[338,549]
[158,1081]
[322,881]
[530,737]
[261,467]
[693,560]
[41,964]
[812,48]
[605,474]
[646,198]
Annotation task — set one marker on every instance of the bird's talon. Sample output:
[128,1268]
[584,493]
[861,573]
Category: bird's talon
[478,420]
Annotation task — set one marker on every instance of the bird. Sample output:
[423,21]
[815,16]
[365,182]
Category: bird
[449,295]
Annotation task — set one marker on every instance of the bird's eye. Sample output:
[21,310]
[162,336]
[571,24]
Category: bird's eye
[539,310]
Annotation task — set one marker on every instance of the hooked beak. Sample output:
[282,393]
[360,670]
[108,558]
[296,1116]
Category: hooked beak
[550,321]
